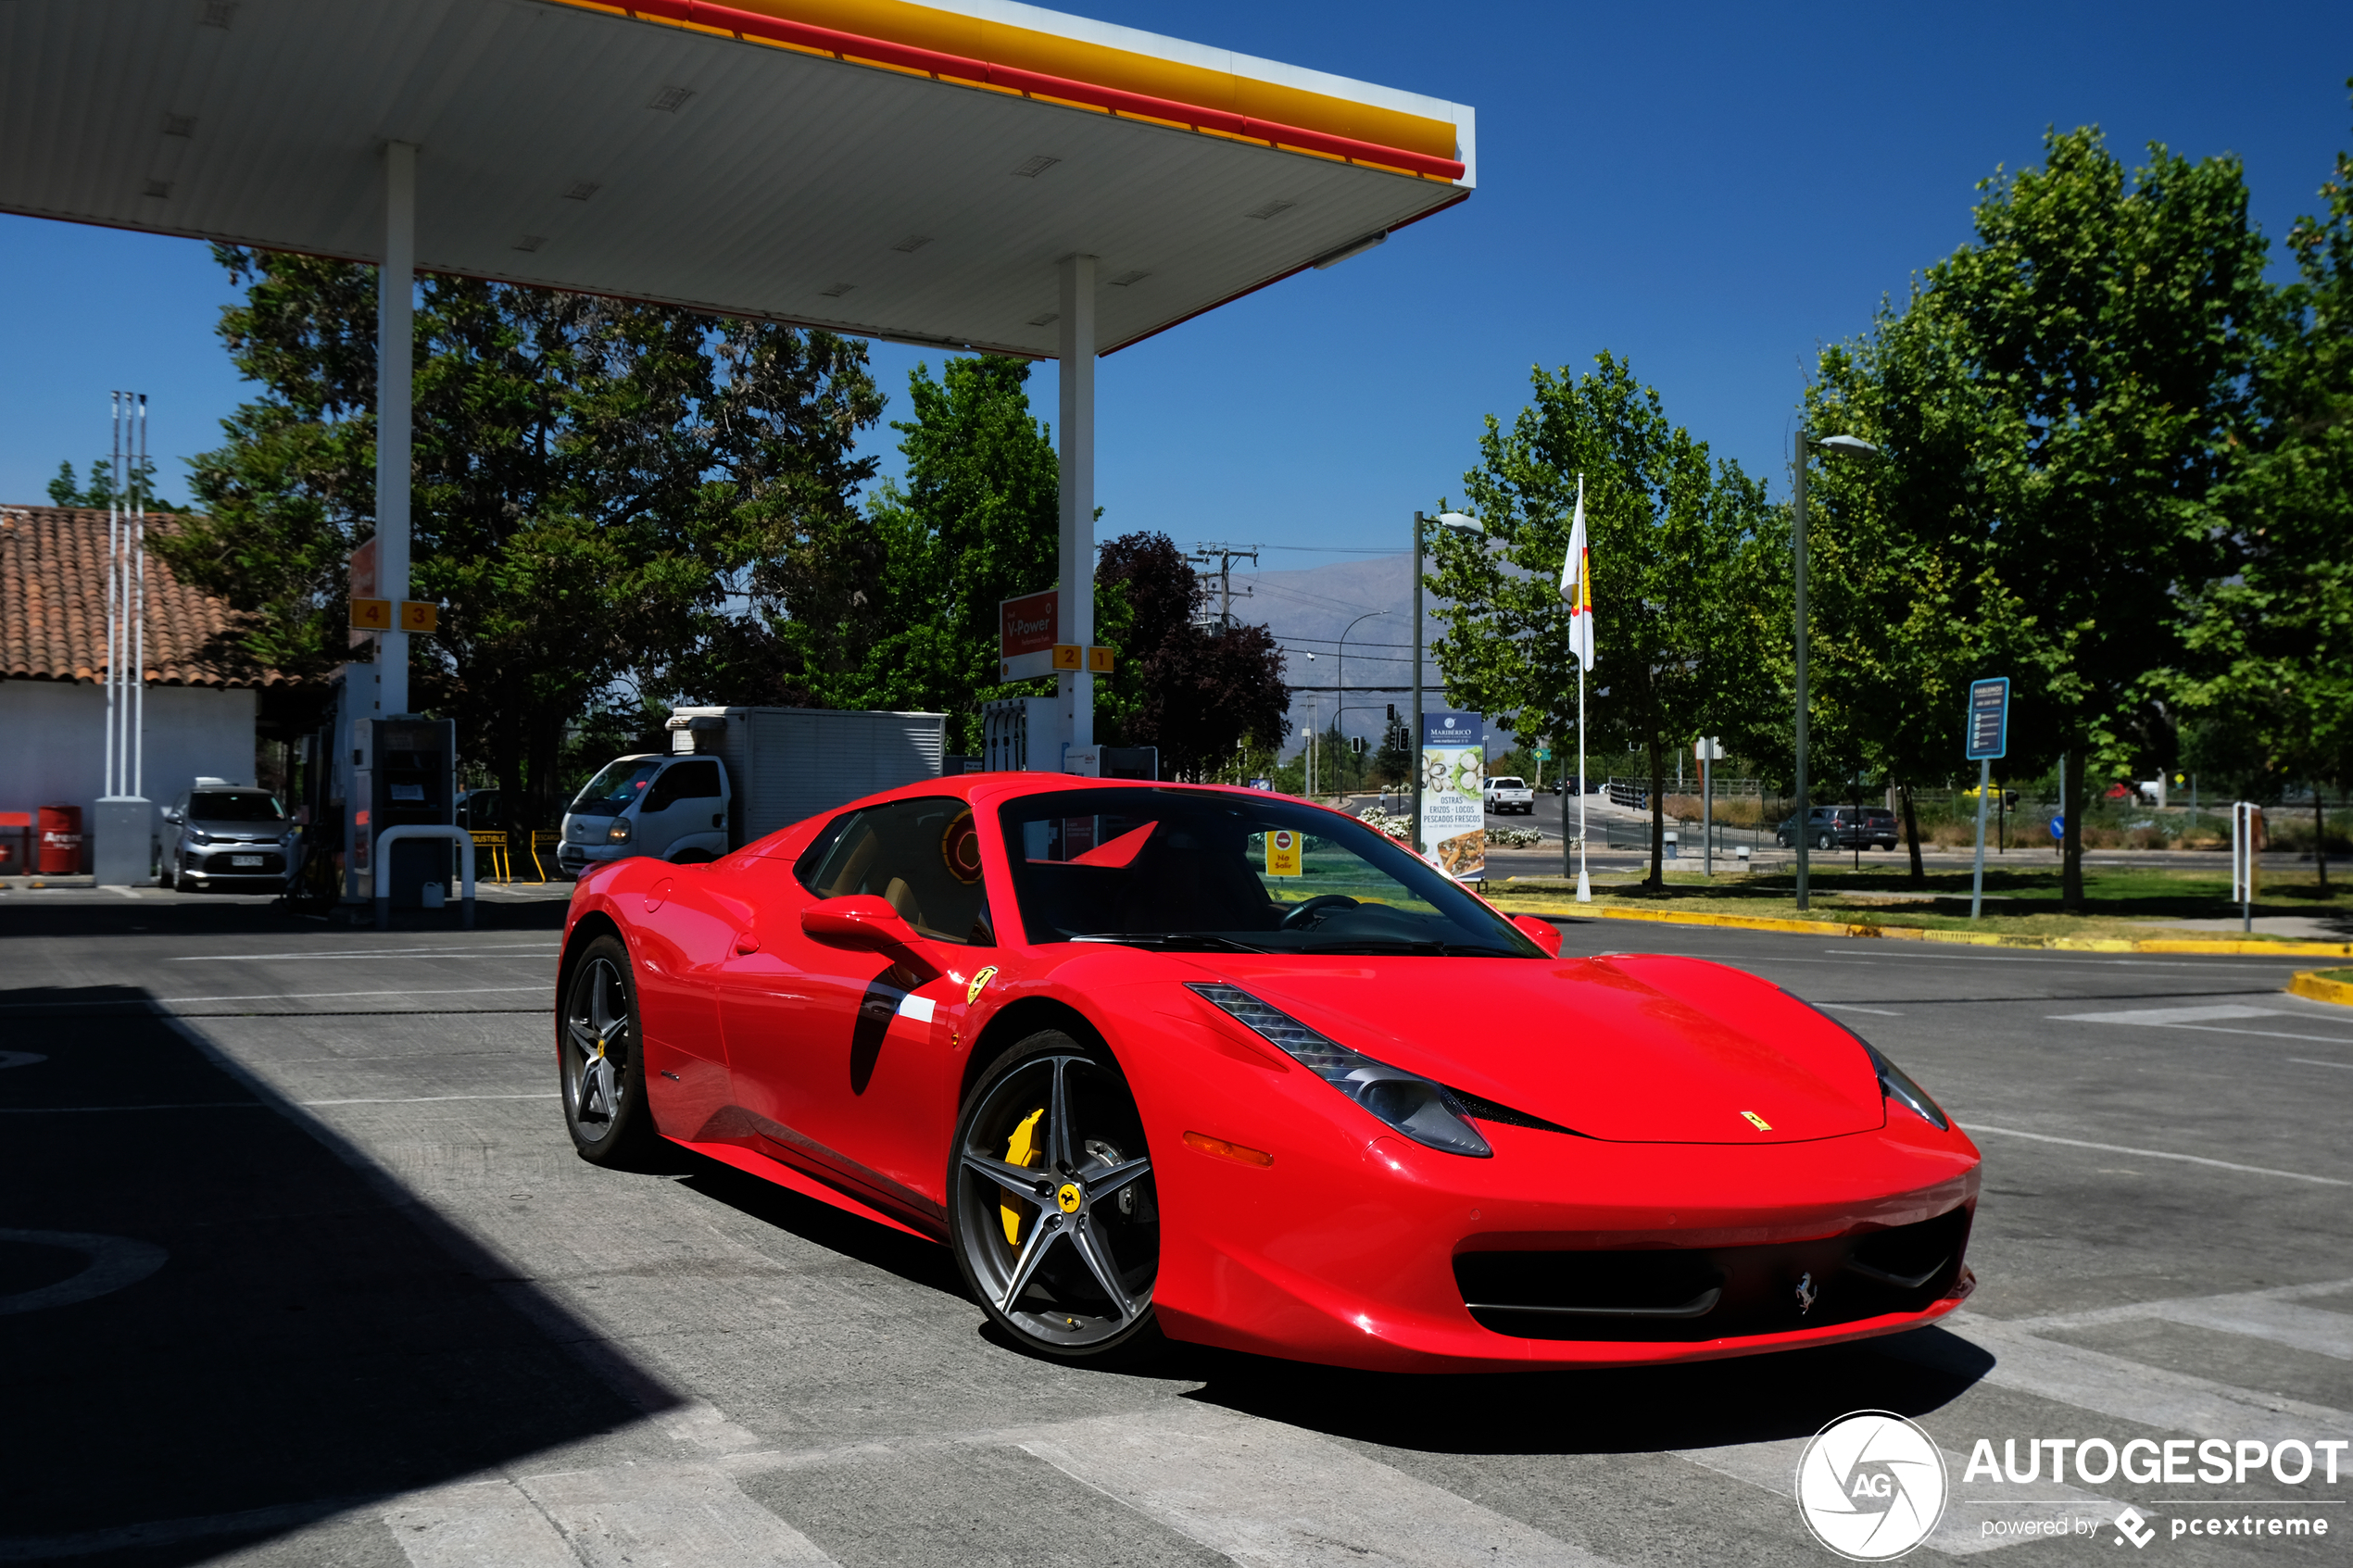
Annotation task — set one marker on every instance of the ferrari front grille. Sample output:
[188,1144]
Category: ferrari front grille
[1713,1293]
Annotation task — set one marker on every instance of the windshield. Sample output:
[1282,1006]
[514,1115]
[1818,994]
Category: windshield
[234,806]
[611,792]
[1188,868]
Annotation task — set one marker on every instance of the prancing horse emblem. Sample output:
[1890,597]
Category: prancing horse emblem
[1806,1294]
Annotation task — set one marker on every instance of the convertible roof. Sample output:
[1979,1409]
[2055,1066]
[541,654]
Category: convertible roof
[898,170]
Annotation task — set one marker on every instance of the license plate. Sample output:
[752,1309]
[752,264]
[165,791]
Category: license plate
[245,859]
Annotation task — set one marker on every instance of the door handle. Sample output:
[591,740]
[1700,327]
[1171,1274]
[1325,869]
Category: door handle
[745,942]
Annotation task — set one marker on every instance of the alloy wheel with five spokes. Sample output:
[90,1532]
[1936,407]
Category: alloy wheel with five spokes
[600,1064]
[1053,1213]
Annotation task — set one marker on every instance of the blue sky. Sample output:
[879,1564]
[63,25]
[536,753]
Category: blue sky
[1712,189]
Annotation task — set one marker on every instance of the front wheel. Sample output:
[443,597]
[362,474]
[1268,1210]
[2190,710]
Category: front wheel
[600,1059]
[1823,842]
[1051,1212]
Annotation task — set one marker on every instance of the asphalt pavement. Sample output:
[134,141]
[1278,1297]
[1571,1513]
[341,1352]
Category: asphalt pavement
[297,1267]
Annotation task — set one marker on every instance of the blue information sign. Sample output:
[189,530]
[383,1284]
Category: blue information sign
[1988,719]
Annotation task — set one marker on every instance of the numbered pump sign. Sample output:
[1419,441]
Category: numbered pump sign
[1453,807]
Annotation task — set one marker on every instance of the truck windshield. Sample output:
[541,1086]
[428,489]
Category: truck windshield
[611,792]
[1194,868]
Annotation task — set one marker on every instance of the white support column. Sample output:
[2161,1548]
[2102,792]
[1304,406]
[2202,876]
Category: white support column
[396,337]
[1075,689]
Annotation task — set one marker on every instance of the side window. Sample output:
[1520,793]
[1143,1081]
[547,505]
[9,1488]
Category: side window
[922,857]
[683,781]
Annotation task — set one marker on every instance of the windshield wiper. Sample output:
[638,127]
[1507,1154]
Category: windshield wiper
[1171,941]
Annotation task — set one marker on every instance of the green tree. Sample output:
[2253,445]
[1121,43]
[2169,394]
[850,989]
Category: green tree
[2268,657]
[2060,401]
[1668,527]
[591,480]
[139,487]
[1196,694]
[974,521]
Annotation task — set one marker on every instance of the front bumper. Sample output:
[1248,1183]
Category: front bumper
[1345,1250]
[216,866]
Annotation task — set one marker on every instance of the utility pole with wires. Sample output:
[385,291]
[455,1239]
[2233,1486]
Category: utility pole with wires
[1223,556]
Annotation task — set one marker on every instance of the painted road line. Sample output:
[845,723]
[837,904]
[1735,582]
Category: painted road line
[626,1516]
[2128,1311]
[2113,1386]
[429,1099]
[1973,1128]
[2282,1322]
[2170,1015]
[1271,1496]
[372,953]
[1850,1007]
[1772,1467]
[2072,962]
[2308,1062]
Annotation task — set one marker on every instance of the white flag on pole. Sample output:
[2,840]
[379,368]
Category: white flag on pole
[1577,586]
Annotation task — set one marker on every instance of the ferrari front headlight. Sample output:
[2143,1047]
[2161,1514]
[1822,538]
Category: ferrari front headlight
[1897,1085]
[1423,1110]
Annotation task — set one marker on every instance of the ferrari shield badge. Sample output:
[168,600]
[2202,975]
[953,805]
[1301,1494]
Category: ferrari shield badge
[1757,1122]
[979,983]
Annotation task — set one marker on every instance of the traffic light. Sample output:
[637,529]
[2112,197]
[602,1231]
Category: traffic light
[1392,713]
[1357,743]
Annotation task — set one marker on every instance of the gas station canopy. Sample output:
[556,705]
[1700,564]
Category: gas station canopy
[895,170]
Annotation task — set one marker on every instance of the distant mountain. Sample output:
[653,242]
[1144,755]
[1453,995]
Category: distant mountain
[1308,611]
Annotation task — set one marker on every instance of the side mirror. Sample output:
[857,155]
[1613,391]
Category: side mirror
[171,813]
[1543,933]
[862,922]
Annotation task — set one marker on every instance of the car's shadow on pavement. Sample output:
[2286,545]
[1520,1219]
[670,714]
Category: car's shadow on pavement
[83,916]
[218,1322]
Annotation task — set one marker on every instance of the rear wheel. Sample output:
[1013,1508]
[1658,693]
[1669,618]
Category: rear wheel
[1823,842]
[1051,1211]
[600,1057]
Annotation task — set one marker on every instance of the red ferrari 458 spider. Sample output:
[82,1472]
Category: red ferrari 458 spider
[1220,1066]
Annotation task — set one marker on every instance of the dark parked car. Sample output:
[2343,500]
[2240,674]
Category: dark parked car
[1842,827]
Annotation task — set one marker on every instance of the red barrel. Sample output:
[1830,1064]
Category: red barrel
[60,840]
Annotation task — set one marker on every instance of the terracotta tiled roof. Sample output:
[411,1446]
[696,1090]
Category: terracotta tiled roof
[53,607]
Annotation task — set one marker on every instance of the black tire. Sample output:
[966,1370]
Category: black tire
[1823,842]
[601,1060]
[1056,1228]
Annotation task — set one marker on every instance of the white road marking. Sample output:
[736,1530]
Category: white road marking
[2168,1015]
[374,953]
[428,1100]
[19,1059]
[1973,1128]
[115,1261]
[630,1514]
[1850,1007]
[2262,1314]
[2308,1062]
[2067,961]
[2203,1020]
[1772,1466]
[1271,1496]
[2120,1387]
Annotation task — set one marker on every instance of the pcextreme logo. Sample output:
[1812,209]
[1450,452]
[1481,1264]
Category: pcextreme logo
[1872,1485]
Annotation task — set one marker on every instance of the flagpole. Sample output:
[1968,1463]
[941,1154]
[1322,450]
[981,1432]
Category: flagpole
[1584,888]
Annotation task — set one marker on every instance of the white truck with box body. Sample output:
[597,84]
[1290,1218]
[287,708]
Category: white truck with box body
[735,774]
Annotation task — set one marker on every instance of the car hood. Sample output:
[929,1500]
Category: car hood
[1634,1048]
[269,831]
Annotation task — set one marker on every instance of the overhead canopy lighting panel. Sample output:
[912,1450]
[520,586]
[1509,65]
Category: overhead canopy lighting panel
[891,169]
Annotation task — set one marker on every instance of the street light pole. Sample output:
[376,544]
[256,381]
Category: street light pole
[1802,822]
[1414,741]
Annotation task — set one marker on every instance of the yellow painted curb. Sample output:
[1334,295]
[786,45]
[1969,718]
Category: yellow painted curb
[2307,983]
[1976,938]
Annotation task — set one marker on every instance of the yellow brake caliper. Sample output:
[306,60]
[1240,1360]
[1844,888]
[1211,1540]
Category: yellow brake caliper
[1021,1150]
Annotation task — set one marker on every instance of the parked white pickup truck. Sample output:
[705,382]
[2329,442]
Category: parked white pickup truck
[1505,793]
